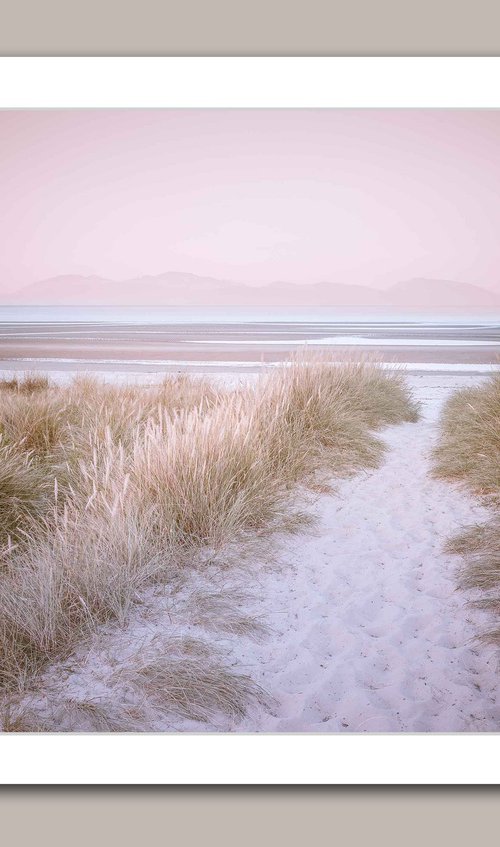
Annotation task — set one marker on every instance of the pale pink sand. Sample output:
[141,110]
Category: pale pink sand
[378,638]
[368,631]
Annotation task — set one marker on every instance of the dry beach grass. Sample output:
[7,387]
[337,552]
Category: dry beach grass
[105,490]
[469,451]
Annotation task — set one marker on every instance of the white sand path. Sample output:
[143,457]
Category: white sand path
[373,634]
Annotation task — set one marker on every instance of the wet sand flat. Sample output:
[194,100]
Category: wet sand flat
[95,345]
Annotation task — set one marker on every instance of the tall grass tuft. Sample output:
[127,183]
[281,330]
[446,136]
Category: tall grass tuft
[469,444]
[23,494]
[321,416]
[110,488]
[27,383]
[468,451]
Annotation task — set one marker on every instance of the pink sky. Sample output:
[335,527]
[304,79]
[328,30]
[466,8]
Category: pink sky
[367,197]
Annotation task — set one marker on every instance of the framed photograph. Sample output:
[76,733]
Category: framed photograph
[249,420]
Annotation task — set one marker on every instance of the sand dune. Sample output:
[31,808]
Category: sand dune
[367,630]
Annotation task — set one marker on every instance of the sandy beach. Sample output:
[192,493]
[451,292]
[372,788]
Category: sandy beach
[363,628]
[378,638]
[355,624]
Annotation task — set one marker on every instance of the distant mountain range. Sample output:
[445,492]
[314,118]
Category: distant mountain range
[180,289]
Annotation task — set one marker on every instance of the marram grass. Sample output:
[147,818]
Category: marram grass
[468,451]
[104,489]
